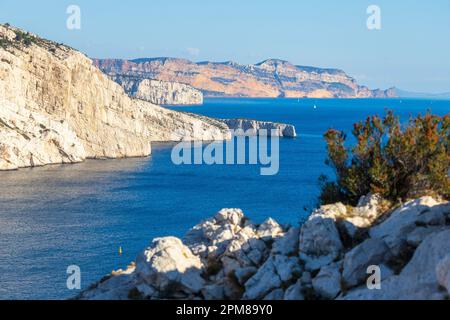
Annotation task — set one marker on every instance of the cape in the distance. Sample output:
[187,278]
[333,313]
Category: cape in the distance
[268,79]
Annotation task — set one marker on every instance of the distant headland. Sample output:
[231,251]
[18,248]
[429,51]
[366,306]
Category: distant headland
[267,79]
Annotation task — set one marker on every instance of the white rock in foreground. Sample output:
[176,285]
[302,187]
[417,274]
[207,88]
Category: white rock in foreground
[229,257]
[327,283]
[418,279]
[443,272]
[169,266]
[405,220]
[370,252]
[320,243]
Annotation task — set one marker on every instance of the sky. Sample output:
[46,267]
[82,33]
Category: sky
[411,50]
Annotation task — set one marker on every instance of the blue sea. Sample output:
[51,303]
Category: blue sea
[55,216]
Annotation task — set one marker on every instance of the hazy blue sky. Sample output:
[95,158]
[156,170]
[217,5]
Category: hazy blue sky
[411,51]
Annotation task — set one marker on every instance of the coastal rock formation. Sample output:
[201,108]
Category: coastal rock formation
[167,262]
[57,107]
[320,243]
[252,127]
[160,92]
[229,257]
[270,78]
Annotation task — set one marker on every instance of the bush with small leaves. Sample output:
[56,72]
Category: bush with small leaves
[394,160]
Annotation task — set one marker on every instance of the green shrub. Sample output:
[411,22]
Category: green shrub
[24,37]
[4,43]
[398,162]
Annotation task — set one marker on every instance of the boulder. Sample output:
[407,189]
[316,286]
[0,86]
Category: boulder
[116,286]
[275,271]
[264,281]
[287,268]
[232,217]
[368,209]
[404,220]
[334,211]
[419,234]
[269,230]
[306,279]
[294,292]
[327,283]
[245,250]
[419,279]
[320,243]
[386,271]
[243,274]
[287,245]
[356,261]
[443,272]
[349,228]
[211,237]
[170,267]
[145,291]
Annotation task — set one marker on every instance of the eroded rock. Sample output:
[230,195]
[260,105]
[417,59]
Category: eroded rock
[417,213]
[320,243]
[327,283]
[370,252]
[170,267]
[229,257]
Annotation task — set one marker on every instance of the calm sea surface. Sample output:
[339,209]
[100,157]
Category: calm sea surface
[56,216]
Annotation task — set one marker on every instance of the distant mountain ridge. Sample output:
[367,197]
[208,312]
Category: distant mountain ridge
[422,95]
[269,78]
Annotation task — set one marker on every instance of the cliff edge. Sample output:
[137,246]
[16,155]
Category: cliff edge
[160,92]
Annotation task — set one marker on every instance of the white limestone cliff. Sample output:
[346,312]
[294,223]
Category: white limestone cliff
[57,107]
[160,92]
[253,127]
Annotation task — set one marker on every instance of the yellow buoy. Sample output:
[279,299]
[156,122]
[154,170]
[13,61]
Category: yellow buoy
[120,251]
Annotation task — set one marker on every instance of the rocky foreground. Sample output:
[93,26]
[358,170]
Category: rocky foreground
[229,257]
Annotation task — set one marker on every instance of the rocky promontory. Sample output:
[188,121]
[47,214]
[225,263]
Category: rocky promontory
[253,127]
[57,107]
[160,92]
[331,256]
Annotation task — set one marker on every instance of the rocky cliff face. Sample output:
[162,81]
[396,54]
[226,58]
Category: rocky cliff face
[254,127]
[270,78]
[160,92]
[57,107]
[328,257]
